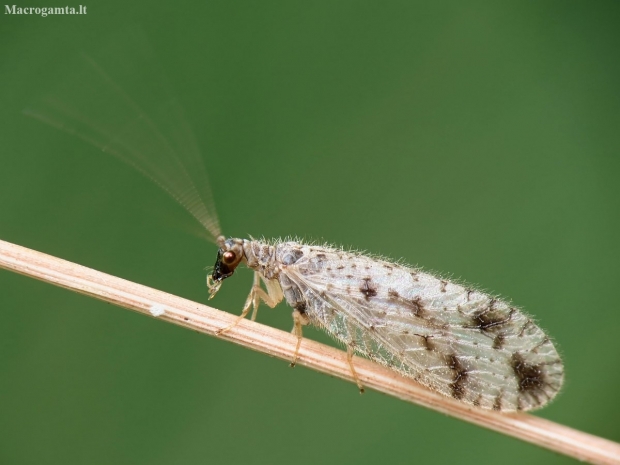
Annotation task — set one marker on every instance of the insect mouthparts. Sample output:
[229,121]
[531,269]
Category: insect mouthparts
[213,285]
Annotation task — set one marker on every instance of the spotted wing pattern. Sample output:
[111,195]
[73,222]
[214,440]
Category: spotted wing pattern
[455,340]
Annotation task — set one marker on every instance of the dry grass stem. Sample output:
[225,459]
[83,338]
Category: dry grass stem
[313,355]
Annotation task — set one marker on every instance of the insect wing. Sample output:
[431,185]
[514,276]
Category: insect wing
[462,343]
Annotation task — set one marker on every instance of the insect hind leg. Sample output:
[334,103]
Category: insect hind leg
[272,297]
[299,319]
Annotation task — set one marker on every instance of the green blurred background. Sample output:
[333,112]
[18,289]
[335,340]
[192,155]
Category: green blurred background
[479,139]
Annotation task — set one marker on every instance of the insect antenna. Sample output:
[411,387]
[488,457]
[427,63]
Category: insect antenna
[153,137]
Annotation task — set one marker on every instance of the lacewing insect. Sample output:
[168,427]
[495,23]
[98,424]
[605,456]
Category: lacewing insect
[453,339]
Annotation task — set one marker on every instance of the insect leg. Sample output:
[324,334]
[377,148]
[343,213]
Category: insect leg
[353,372]
[244,313]
[299,320]
[271,298]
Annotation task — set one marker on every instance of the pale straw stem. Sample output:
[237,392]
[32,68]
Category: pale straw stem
[280,344]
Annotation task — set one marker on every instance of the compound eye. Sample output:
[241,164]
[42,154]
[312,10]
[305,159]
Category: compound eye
[229,257]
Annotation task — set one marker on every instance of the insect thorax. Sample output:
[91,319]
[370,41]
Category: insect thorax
[261,257]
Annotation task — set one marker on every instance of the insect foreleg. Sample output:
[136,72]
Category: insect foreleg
[272,297]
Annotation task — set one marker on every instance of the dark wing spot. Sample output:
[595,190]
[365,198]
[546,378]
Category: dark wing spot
[414,275]
[427,341]
[497,403]
[490,319]
[393,294]
[416,306]
[389,267]
[368,288]
[301,307]
[341,267]
[460,375]
[321,256]
[530,376]
[469,293]
[349,276]
[443,285]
